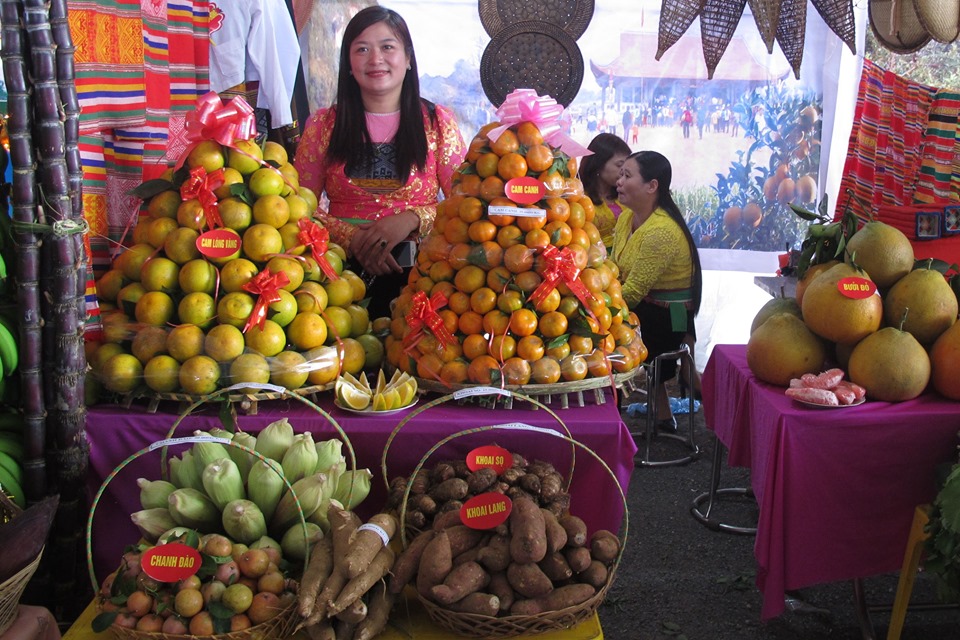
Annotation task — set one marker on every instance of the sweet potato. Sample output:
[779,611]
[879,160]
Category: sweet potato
[450,505]
[604,546]
[363,582]
[446,519]
[500,587]
[367,543]
[408,561]
[477,603]
[578,558]
[495,555]
[528,580]
[530,483]
[559,505]
[436,562]
[528,542]
[560,598]
[481,480]
[461,581]
[442,472]
[416,519]
[555,567]
[378,612]
[470,555]
[595,575]
[354,613]
[576,530]
[463,538]
[424,503]
[452,489]
[516,493]
[556,534]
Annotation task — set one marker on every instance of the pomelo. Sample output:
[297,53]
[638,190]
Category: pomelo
[891,365]
[883,251]
[832,314]
[783,348]
[945,362]
[931,303]
[772,308]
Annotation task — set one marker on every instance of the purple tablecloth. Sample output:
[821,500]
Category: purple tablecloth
[116,433]
[836,488]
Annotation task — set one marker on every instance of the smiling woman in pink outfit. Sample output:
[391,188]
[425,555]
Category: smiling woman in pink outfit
[382,155]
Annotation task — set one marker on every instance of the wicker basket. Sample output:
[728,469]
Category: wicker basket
[940,18]
[284,623]
[766,13]
[535,55]
[791,32]
[838,14]
[718,21]
[675,18]
[12,588]
[573,16]
[479,626]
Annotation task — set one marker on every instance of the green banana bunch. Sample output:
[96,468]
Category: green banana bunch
[183,472]
[300,459]
[152,523]
[206,452]
[11,478]
[241,458]
[9,348]
[154,494]
[275,439]
[192,508]
[12,445]
[265,486]
[309,492]
[243,521]
[222,482]
[298,539]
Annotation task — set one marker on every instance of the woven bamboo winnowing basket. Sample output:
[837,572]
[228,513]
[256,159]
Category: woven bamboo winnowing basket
[13,587]
[940,18]
[718,21]
[905,34]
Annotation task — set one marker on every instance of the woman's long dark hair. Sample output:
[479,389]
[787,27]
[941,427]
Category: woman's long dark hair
[604,147]
[655,166]
[350,139]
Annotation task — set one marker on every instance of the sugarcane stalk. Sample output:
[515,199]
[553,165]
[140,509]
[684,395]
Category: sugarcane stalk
[25,208]
[62,302]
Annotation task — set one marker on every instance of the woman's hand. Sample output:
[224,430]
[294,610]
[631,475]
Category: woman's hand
[372,243]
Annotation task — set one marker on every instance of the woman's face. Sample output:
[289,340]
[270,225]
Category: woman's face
[610,172]
[378,62]
[632,190]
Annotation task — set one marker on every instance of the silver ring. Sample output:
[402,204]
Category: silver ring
[383,244]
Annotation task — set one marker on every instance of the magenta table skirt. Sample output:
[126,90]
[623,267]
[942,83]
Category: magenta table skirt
[116,433]
[837,488]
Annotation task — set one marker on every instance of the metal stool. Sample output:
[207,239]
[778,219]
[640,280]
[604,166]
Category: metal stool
[650,431]
[714,493]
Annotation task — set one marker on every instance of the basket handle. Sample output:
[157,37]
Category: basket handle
[266,387]
[465,393]
[163,444]
[516,427]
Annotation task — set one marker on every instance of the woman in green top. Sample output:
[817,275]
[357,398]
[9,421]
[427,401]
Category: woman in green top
[599,173]
[659,264]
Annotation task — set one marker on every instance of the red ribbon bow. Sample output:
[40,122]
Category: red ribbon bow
[266,285]
[423,316]
[214,120]
[317,239]
[201,185]
[560,267]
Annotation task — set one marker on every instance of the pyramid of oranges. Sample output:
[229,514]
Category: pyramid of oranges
[226,279]
[513,285]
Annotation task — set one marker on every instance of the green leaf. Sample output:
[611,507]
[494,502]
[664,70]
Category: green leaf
[219,610]
[803,213]
[948,501]
[208,566]
[103,621]
[150,188]
[228,415]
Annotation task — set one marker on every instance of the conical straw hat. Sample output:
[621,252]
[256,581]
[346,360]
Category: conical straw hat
[902,33]
[940,18]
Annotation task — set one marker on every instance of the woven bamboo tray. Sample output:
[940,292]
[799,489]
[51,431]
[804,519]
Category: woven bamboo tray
[480,626]
[573,16]
[13,587]
[246,402]
[575,393]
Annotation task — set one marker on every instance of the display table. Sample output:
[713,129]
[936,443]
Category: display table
[836,488]
[116,433]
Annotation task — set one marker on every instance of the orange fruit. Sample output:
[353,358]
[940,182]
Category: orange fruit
[518,258]
[491,188]
[429,366]
[496,322]
[470,323]
[574,367]
[474,345]
[531,348]
[509,235]
[481,368]
[523,322]
[527,281]
[539,158]
[537,238]
[454,372]
[510,300]
[487,165]
[483,300]
[469,184]
[528,134]
[553,324]
[554,183]
[597,364]
[560,233]
[506,143]
[546,370]
[516,371]
[580,344]
[482,231]
[455,231]
[470,278]
[498,278]
[289,369]
[458,302]
[502,347]
[559,350]
[529,223]
[512,165]
[549,302]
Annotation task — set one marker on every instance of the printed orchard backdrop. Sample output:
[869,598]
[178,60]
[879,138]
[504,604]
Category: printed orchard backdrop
[750,145]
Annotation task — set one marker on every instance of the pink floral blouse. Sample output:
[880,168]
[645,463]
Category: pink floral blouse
[350,201]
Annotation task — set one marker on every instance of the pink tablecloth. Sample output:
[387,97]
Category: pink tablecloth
[116,433]
[836,488]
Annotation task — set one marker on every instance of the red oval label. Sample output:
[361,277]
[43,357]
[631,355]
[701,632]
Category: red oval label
[486,510]
[856,288]
[219,243]
[170,562]
[497,458]
[525,190]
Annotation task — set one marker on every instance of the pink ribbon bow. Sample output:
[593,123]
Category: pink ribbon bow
[266,286]
[316,238]
[201,185]
[560,267]
[213,120]
[524,105]
[423,316]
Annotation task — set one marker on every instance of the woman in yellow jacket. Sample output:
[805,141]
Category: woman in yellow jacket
[599,173]
[659,264]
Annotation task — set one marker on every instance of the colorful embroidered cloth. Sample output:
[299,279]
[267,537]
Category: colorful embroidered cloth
[939,178]
[883,157]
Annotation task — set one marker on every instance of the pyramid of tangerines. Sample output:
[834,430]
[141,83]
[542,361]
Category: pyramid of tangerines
[512,285]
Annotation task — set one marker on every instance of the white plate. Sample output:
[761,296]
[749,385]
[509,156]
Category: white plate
[828,406]
[370,411]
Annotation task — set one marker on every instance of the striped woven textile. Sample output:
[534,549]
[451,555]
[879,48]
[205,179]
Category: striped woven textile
[108,36]
[939,178]
[883,157]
